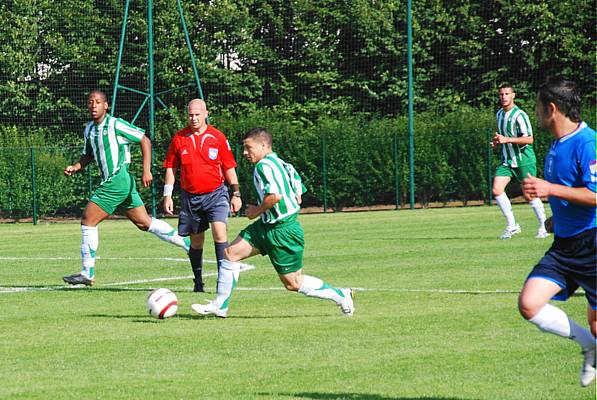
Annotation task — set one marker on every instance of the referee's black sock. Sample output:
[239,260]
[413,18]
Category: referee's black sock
[196,257]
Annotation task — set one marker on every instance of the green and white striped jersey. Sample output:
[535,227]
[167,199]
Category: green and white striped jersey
[515,123]
[274,175]
[109,142]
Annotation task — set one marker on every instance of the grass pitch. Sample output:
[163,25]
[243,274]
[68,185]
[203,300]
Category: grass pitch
[435,316]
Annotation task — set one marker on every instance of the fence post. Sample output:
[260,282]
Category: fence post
[33,185]
[10,199]
[325,173]
[396,177]
[411,128]
[489,183]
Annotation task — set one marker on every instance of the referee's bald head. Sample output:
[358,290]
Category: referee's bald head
[198,103]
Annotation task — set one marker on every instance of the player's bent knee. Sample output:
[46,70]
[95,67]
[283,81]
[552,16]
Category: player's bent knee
[527,309]
[231,256]
[142,226]
[292,287]
[497,192]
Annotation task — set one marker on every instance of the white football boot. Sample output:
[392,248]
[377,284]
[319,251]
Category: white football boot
[542,233]
[210,308]
[347,305]
[511,231]
[588,372]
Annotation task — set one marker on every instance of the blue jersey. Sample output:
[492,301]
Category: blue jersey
[571,162]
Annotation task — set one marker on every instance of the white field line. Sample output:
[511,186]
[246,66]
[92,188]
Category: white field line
[4,290]
[102,258]
[8,289]
[244,267]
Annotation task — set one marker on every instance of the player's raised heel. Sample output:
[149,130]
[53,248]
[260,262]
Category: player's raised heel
[210,308]
[347,306]
[78,279]
[588,371]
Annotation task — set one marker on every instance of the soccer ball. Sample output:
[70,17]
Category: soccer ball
[162,303]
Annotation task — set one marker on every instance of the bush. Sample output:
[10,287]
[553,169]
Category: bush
[451,160]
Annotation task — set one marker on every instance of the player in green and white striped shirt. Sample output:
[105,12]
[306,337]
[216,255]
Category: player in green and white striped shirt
[274,175]
[515,135]
[277,233]
[106,141]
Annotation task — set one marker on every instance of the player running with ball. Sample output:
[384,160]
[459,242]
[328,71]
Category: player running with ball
[276,232]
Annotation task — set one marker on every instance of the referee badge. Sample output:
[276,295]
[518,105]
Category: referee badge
[213,153]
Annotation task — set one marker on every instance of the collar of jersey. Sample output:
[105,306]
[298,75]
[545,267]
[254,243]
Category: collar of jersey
[582,125]
[101,124]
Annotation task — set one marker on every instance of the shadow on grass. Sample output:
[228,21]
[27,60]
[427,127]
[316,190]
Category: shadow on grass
[81,288]
[195,317]
[243,317]
[353,396]
[138,318]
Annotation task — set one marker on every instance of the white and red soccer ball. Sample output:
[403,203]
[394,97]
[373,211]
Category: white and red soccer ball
[162,303]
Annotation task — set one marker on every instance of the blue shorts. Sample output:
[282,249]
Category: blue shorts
[198,210]
[570,263]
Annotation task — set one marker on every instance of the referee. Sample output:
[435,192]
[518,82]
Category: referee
[203,155]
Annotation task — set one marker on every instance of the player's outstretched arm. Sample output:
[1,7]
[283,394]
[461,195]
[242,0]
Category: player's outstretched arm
[70,170]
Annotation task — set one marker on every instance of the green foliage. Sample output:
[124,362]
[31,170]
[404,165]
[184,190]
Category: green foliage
[310,58]
[452,161]
[309,71]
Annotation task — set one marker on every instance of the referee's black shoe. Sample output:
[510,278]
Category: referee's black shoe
[198,288]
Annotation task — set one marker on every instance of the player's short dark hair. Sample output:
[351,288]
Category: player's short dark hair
[260,134]
[564,94]
[507,85]
[100,92]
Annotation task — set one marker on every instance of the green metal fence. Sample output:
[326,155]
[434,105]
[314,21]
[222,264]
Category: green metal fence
[340,172]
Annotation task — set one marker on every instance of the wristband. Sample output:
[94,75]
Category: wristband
[236,194]
[168,190]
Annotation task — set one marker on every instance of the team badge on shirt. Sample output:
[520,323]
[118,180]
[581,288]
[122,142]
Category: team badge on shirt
[213,153]
[593,169]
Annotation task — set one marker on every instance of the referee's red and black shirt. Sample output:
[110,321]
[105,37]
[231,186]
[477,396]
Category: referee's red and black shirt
[201,158]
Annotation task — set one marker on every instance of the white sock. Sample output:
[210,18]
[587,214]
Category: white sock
[89,243]
[539,210]
[164,231]
[315,287]
[504,203]
[582,336]
[553,320]
[227,280]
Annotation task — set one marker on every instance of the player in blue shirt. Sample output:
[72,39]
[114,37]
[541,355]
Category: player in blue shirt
[571,261]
